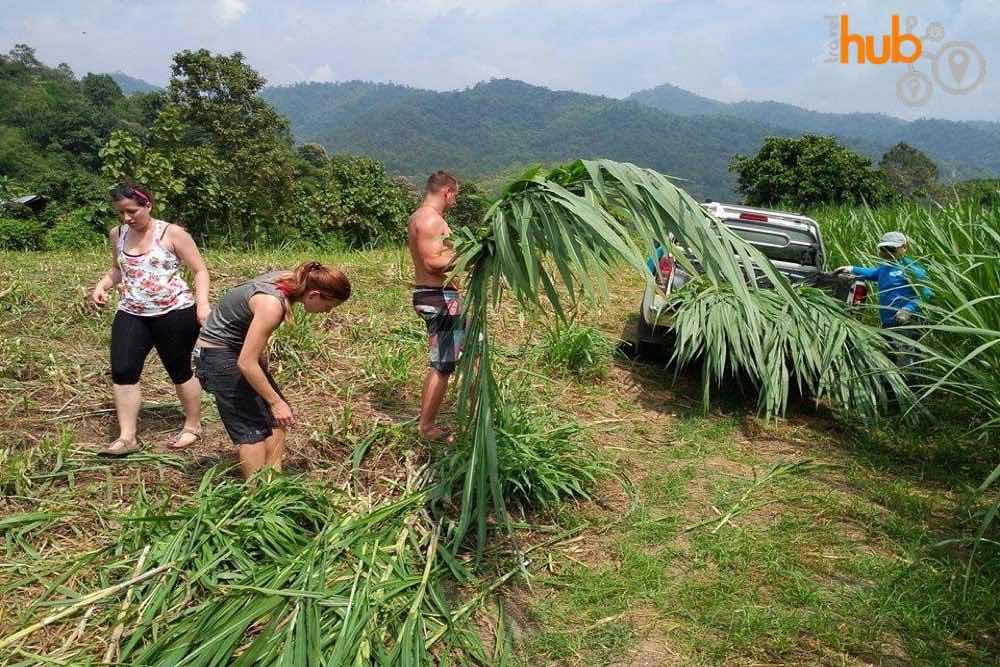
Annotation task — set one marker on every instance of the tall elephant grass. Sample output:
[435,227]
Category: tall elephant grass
[959,243]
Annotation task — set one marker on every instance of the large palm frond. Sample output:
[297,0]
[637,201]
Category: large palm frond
[563,232]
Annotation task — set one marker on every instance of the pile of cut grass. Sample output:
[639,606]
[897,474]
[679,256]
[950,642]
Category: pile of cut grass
[852,368]
[276,571]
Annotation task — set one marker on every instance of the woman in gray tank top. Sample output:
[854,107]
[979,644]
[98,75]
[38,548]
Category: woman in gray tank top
[229,352]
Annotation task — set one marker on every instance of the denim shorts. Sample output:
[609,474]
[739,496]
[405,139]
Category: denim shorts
[246,416]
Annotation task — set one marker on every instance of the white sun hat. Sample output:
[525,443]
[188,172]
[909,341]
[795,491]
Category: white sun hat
[892,240]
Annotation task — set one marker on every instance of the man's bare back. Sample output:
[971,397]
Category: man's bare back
[435,300]
[432,255]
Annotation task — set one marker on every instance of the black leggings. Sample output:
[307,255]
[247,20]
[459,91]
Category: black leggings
[173,335]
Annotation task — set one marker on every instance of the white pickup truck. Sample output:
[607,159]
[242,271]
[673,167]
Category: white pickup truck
[791,241]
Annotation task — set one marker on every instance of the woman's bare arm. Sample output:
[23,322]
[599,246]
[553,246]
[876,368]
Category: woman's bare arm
[268,314]
[187,251]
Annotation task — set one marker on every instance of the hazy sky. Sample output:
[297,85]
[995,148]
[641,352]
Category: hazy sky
[725,49]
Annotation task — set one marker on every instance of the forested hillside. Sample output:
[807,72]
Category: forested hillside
[490,127]
[217,158]
[58,138]
[963,149]
[487,128]
[53,125]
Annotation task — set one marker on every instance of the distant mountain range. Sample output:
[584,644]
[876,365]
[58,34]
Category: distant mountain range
[131,85]
[962,148]
[500,126]
[492,126]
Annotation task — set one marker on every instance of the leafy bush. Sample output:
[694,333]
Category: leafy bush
[542,457]
[72,233]
[373,208]
[579,350]
[354,202]
[20,234]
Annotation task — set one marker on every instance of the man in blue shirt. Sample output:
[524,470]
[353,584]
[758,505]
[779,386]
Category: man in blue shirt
[669,276]
[899,278]
[652,262]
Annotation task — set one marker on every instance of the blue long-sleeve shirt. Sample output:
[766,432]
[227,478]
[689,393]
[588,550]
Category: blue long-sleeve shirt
[651,262]
[896,286]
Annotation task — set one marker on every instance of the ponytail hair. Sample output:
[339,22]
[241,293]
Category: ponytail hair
[308,276]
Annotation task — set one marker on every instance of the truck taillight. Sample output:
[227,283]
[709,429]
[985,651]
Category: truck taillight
[666,267]
[858,293]
[756,217]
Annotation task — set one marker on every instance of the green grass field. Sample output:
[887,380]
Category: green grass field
[712,539]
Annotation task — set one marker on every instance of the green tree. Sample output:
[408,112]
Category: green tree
[52,127]
[24,55]
[148,106]
[218,157]
[375,207]
[218,96]
[807,171]
[186,180]
[471,206]
[311,161]
[313,154]
[909,171]
[101,90]
[218,106]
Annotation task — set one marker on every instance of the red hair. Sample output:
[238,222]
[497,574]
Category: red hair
[308,276]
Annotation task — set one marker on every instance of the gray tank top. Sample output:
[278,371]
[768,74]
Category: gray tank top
[230,318]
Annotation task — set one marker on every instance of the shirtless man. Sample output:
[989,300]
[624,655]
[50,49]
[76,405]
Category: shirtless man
[435,301]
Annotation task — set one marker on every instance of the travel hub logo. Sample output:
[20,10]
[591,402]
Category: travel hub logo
[958,68]
[891,45]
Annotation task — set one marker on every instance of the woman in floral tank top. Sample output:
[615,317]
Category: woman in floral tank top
[156,309]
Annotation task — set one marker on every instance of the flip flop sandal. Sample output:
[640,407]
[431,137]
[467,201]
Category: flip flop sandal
[127,448]
[442,435]
[174,446]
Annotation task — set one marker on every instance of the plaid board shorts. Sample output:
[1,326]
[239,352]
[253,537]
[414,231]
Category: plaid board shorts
[441,310]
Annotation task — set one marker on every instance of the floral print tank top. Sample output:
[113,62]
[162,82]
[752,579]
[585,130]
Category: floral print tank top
[151,282]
